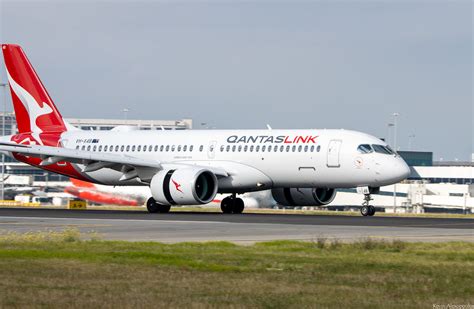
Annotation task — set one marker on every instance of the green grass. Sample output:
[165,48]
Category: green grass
[60,270]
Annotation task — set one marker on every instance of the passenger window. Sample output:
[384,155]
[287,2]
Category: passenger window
[94,148]
[156,148]
[128,148]
[275,148]
[116,148]
[257,148]
[263,148]
[288,148]
[318,148]
[77,147]
[233,148]
[122,148]
[201,148]
[133,148]
[251,148]
[167,148]
[306,148]
[139,147]
[161,148]
[100,148]
[364,148]
[293,148]
[106,148]
[222,148]
[173,147]
[227,148]
[246,148]
[240,148]
[299,148]
[282,148]
[191,148]
[179,148]
[89,148]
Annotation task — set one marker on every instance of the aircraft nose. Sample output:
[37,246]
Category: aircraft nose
[404,169]
[394,170]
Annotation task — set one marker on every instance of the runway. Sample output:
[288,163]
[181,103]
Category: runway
[245,228]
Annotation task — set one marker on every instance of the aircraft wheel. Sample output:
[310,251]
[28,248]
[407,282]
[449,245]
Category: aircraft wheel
[371,210]
[238,206]
[227,205]
[154,207]
[164,208]
[365,211]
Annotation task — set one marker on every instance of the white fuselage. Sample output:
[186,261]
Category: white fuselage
[255,159]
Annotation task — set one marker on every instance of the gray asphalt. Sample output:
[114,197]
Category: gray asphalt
[195,226]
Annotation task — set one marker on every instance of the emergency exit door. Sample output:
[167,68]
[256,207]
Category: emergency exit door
[334,150]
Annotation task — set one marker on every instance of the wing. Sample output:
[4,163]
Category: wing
[131,167]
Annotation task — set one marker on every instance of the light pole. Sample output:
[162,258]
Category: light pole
[4,86]
[389,133]
[125,113]
[395,116]
[411,138]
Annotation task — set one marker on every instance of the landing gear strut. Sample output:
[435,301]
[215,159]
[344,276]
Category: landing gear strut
[154,207]
[232,205]
[366,209]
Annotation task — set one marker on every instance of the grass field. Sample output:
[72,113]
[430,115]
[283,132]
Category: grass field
[60,270]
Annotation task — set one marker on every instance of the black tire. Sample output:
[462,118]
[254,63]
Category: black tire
[227,205]
[372,210]
[152,206]
[164,209]
[365,211]
[238,206]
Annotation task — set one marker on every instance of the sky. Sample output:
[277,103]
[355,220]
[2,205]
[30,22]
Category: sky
[245,64]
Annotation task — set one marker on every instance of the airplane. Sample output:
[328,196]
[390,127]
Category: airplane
[301,167]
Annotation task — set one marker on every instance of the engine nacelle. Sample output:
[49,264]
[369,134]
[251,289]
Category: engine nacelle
[303,196]
[184,186]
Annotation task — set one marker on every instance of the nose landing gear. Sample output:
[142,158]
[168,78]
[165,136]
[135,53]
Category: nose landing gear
[366,209]
[232,205]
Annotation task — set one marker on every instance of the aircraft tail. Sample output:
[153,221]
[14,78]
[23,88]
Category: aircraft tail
[34,109]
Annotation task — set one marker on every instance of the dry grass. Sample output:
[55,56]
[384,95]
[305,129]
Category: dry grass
[61,270]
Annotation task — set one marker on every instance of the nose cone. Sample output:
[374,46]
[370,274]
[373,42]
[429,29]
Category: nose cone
[393,171]
[403,169]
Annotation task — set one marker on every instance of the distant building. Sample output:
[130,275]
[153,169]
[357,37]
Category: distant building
[423,168]
[14,167]
[417,158]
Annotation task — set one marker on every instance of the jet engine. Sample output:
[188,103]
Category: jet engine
[303,196]
[184,186]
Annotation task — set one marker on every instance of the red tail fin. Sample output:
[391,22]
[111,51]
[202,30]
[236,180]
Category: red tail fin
[34,109]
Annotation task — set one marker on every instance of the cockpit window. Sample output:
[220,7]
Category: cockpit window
[364,148]
[382,149]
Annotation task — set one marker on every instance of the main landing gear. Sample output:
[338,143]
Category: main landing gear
[154,207]
[366,209]
[232,205]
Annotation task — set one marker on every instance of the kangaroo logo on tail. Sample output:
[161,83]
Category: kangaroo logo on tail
[35,111]
[33,108]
